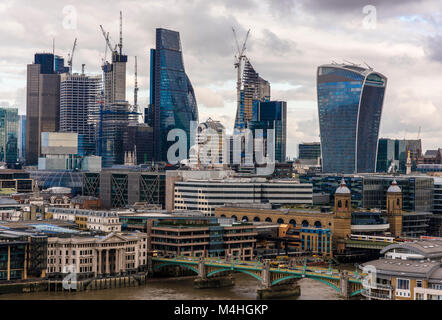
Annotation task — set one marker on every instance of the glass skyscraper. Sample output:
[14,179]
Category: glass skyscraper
[271,115]
[350,100]
[8,135]
[172,98]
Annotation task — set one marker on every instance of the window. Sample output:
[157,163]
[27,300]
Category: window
[419,283]
[403,284]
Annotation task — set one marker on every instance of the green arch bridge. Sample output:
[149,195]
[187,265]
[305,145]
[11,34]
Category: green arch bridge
[346,283]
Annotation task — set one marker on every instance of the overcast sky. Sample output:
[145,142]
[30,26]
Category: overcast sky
[288,40]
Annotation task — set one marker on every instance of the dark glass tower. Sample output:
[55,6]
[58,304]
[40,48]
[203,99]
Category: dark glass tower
[172,99]
[271,115]
[350,100]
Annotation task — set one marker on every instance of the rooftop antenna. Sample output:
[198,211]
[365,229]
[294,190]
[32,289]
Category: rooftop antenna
[352,63]
[368,65]
[120,45]
[53,46]
[82,69]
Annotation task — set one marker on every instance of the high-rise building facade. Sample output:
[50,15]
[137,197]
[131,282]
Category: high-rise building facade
[115,79]
[172,98]
[79,109]
[350,100]
[8,135]
[42,103]
[271,115]
[392,154]
[309,151]
[22,137]
[254,88]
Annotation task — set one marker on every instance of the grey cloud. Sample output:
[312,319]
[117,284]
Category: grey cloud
[434,48]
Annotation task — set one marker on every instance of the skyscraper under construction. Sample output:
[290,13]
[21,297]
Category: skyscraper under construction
[254,88]
[79,108]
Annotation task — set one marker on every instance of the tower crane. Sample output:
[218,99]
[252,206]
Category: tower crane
[71,56]
[120,45]
[106,38]
[239,57]
[136,88]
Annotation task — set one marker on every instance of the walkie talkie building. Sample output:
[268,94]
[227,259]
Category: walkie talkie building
[350,100]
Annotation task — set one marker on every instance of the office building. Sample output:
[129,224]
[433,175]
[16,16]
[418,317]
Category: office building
[114,120]
[115,254]
[118,188]
[206,195]
[270,115]
[208,148]
[350,100]
[59,66]
[369,191]
[79,109]
[42,103]
[393,153]
[9,124]
[138,140]
[22,137]
[22,255]
[202,237]
[309,151]
[172,98]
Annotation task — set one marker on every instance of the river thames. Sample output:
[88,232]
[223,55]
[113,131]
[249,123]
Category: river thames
[181,289]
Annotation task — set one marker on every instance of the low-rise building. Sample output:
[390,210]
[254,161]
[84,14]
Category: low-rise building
[202,236]
[407,271]
[104,221]
[113,254]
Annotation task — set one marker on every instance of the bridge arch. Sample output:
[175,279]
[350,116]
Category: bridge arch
[223,216]
[245,218]
[268,219]
[234,217]
[293,222]
[161,265]
[318,224]
[305,223]
[256,219]
[239,270]
[280,220]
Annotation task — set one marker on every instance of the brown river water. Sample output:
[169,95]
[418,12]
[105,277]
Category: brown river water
[181,289]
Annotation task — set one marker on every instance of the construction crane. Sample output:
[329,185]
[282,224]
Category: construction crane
[71,56]
[136,88]
[106,38]
[120,45]
[239,57]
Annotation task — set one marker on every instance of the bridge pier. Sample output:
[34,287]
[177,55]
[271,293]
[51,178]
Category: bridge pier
[284,290]
[344,285]
[203,282]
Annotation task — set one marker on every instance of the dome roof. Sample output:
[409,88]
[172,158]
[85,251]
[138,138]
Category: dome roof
[394,187]
[342,189]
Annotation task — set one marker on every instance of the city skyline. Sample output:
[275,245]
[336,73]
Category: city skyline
[401,46]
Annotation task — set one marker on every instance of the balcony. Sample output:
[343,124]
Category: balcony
[375,295]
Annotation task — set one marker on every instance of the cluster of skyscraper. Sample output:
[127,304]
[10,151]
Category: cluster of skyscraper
[350,100]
